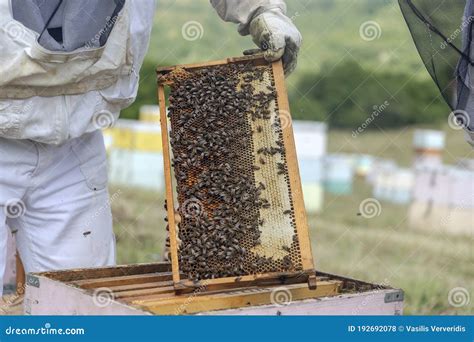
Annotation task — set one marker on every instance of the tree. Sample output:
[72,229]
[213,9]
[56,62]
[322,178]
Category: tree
[348,95]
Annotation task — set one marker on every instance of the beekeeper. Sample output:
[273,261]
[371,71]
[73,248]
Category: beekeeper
[67,68]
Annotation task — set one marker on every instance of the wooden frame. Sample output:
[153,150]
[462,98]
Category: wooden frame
[20,275]
[308,267]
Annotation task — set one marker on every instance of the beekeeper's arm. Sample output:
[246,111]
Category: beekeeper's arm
[470,137]
[267,23]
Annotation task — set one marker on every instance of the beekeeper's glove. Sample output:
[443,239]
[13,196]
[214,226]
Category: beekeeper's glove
[277,36]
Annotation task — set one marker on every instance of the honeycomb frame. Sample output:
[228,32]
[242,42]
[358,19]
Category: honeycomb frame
[293,233]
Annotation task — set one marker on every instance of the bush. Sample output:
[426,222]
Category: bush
[347,95]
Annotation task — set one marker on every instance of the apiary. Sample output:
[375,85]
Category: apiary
[231,168]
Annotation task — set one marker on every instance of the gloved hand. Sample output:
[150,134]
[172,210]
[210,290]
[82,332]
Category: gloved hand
[277,36]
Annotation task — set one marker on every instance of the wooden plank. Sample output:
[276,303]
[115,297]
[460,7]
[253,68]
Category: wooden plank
[169,185]
[131,287]
[264,279]
[165,69]
[123,280]
[20,276]
[165,287]
[94,273]
[238,299]
[256,59]
[207,291]
[135,301]
[11,305]
[168,292]
[293,169]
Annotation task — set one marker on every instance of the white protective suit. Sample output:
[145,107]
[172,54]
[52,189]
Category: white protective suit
[53,174]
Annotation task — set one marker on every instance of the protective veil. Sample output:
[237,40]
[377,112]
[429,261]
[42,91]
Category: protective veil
[442,31]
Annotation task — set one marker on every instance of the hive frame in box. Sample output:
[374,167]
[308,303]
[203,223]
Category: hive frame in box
[147,289]
[307,273]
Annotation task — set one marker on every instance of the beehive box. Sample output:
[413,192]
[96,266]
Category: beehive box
[147,289]
[241,215]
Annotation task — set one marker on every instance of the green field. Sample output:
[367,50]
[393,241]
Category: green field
[382,250]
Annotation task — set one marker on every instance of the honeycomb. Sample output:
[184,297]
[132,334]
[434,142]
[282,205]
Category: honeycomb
[229,162]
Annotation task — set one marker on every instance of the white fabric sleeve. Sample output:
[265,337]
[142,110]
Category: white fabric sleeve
[243,11]
[469,137]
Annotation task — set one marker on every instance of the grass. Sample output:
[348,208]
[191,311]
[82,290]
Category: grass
[385,250]
[380,250]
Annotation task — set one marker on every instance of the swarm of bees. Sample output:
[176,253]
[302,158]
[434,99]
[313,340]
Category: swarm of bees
[213,165]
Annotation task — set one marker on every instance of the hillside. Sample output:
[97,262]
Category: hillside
[356,54]
[330,30]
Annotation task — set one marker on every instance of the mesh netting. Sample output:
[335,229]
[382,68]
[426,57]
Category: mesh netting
[442,31]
